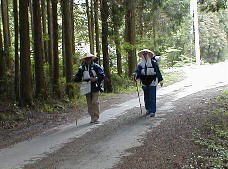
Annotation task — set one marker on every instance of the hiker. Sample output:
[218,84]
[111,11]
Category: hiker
[149,74]
[90,71]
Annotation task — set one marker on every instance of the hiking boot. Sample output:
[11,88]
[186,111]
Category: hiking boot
[96,122]
[152,114]
[147,113]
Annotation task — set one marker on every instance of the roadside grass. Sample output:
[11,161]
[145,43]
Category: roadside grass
[172,77]
[213,138]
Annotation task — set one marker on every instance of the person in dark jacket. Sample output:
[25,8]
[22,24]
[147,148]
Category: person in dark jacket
[91,71]
[149,74]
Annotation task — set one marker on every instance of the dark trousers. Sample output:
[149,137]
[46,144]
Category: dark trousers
[150,98]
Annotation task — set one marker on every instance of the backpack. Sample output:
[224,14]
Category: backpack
[148,72]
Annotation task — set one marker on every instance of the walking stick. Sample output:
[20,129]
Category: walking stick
[139,96]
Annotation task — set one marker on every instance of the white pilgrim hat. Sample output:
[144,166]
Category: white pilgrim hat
[140,53]
[87,55]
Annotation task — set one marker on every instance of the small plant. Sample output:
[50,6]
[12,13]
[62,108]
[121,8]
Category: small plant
[121,83]
[48,108]
[215,143]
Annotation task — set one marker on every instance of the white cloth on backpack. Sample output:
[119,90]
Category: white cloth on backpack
[146,62]
[86,74]
[147,66]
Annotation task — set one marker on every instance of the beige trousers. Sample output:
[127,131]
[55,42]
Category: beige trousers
[93,105]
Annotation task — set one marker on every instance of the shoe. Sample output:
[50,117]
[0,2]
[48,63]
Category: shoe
[147,113]
[152,114]
[96,122]
[92,121]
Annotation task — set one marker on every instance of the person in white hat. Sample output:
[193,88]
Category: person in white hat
[91,71]
[149,73]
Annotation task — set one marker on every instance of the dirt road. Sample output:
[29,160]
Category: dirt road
[122,127]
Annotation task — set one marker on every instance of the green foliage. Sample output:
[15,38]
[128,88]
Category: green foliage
[172,77]
[215,142]
[213,5]
[48,108]
[121,83]
[212,37]
[128,46]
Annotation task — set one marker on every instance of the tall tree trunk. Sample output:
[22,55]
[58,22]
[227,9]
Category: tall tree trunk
[31,23]
[72,21]
[154,32]
[104,18]
[2,58]
[116,19]
[63,43]
[196,30]
[44,23]
[16,32]
[68,44]
[130,36]
[25,62]
[89,25]
[97,32]
[140,15]
[92,25]
[63,51]
[6,32]
[2,66]
[38,50]
[56,88]
[50,38]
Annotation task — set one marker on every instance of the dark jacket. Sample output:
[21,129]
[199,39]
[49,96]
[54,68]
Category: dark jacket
[146,80]
[95,86]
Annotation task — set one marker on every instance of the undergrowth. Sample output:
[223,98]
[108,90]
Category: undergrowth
[214,143]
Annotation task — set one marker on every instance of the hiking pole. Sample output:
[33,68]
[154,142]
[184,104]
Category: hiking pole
[138,96]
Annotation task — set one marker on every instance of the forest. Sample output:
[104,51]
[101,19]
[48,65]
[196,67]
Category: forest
[41,41]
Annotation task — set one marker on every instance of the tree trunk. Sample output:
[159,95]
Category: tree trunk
[25,62]
[154,32]
[140,15]
[97,32]
[56,88]
[50,38]
[31,23]
[44,23]
[89,25]
[116,19]
[68,44]
[196,31]
[16,31]
[73,36]
[2,66]
[2,59]
[130,36]
[6,32]
[92,26]
[38,50]
[104,18]
[63,51]
[63,43]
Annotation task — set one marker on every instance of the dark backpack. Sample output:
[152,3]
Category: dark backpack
[147,79]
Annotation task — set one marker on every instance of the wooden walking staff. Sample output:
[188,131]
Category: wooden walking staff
[76,117]
[139,96]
